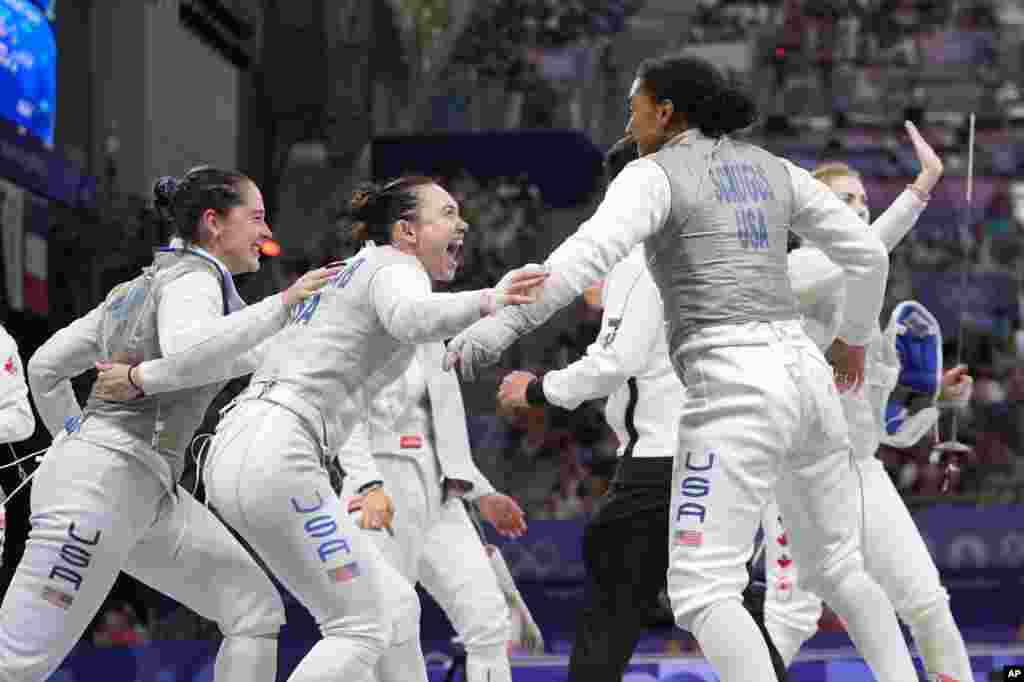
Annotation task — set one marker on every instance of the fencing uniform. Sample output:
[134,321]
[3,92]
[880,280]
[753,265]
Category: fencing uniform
[761,411]
[624,545]
[265,472]
[17,421]
[416,430]
[105,499]
[894,552]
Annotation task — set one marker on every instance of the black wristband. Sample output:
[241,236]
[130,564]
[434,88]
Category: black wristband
[132,381]
[366,487]
[535,393]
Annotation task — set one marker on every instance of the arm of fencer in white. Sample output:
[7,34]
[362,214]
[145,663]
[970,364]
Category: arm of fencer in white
[71,351]
[633,318]
[17,422]
[356,459]
[821,217]
[200,344]
[481,486]
[636,206]
[412,313]
[812,275]
[895,222]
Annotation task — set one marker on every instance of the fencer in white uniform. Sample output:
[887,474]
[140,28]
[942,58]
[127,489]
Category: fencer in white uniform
[416,430]
[624,548]
[265,471]
[894,553]
[105,498]
[17,421]
[713,214]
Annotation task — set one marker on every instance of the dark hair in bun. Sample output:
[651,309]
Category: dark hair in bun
[698,91]
[373,209]
[182,202]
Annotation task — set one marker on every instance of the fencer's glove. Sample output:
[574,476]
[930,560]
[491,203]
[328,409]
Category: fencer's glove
[482,344]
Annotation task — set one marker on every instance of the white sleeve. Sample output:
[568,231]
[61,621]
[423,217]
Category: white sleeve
[820,216]
[412,313]
[636,206]
[481,486]
[71,351]
[812,276]
[17,422]
[356,459]
[894,223]
[200,344]
[633,318]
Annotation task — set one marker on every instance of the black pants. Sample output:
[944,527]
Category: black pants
[625,549]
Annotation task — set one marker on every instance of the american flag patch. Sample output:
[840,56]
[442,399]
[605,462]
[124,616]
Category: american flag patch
[342,574]
[690,538]
[58,598]
[410,442]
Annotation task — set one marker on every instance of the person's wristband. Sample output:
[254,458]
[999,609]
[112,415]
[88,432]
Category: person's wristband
[535,393]
[131,381]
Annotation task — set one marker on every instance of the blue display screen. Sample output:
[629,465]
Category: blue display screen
[28,67]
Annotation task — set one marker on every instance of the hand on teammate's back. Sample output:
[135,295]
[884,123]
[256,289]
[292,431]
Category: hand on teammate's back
[114,382]
[308,284]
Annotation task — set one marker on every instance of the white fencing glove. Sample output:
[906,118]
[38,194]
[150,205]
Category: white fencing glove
[482,344]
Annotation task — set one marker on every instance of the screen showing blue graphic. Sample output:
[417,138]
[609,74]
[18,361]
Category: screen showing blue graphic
[28,67]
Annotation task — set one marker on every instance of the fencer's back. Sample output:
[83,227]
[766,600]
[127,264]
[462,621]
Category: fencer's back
[721,257]
[335,352]
[129,333]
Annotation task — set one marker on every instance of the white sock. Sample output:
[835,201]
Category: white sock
[246,659]
[787,640]
[488,664]
[335,658]
[403,662]
[940,643]
[733,645]
[871,624]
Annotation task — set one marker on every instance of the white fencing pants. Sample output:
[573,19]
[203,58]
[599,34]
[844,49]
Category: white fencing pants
[436,545]
[895,555]
[762,417]
[95,512]
[265,477]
